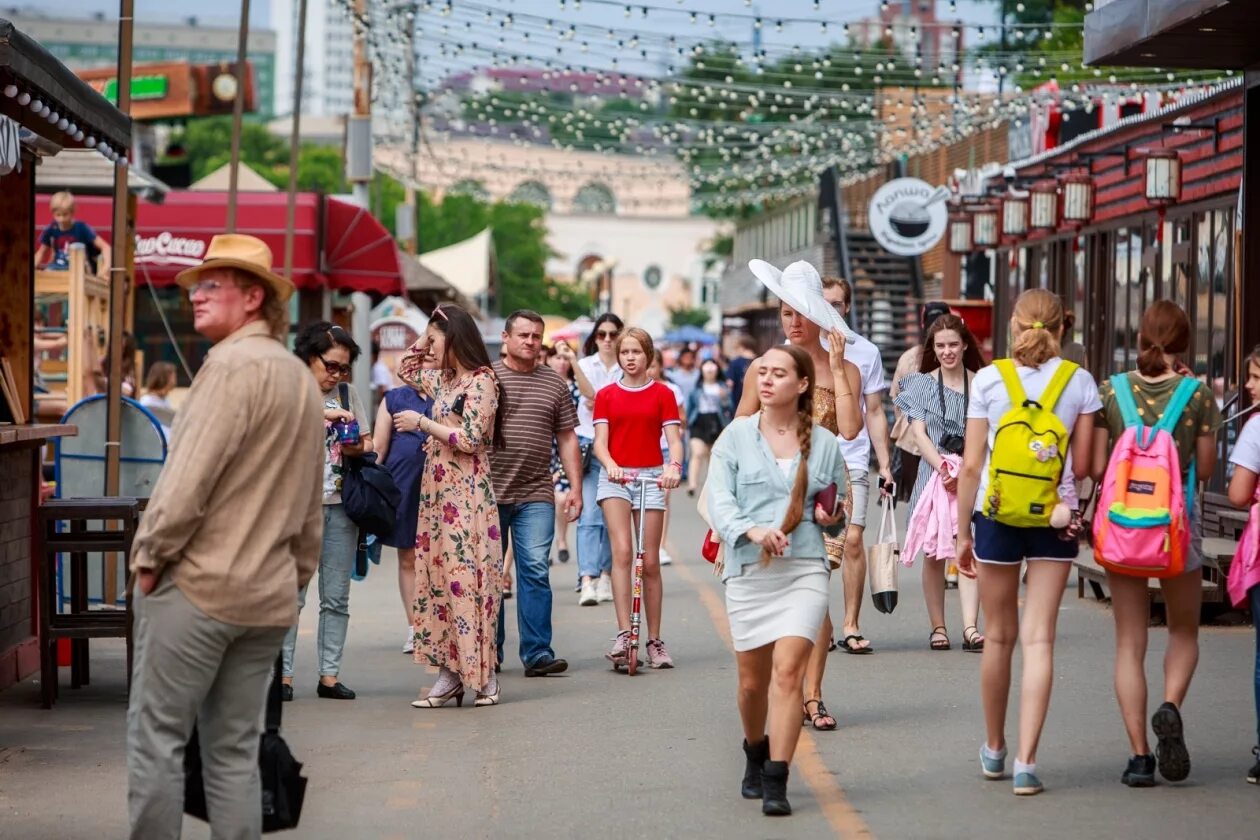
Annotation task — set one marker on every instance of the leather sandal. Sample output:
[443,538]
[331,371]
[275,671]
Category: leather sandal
[828,722]
[941,643]
[973,641]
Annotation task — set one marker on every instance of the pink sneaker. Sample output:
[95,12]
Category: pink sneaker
[657,656]
[621,646]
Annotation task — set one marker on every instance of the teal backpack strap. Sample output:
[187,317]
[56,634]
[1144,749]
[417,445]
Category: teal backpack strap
[1124,400]
[1177,404]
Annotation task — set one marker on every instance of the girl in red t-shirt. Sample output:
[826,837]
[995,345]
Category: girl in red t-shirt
[629,418]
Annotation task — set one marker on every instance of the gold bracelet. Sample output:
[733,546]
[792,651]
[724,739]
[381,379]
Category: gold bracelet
[844,395]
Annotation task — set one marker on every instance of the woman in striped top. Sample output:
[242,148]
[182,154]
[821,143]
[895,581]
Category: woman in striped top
[935,400]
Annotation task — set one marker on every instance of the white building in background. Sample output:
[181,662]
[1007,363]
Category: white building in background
[328,83]
[628,218]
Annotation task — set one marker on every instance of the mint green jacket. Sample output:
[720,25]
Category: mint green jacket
[746,489]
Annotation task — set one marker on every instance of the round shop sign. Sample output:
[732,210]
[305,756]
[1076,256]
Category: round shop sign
[908,216]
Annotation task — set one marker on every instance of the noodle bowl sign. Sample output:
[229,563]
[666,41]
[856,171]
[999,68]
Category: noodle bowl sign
[908,216]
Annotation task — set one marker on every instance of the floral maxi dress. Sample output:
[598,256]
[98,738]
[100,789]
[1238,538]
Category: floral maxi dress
[459,555]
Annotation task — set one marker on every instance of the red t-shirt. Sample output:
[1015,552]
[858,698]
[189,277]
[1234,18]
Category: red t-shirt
[635,418]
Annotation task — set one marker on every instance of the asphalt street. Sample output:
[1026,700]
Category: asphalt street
[595,753]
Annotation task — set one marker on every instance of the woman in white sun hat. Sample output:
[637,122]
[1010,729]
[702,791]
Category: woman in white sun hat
[813,324]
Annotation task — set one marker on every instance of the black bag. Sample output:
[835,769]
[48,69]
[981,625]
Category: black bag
[283,785]
[368,492]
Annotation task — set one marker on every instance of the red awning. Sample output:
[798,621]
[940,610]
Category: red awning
[175,234]
[360,255]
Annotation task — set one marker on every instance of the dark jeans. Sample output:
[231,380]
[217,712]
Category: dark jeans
[529,529]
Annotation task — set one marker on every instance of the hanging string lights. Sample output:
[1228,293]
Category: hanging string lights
[746,121]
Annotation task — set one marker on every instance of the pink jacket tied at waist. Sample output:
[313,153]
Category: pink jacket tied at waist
[1244,572]
[933,523]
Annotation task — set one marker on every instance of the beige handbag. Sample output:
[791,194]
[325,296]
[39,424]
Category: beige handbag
[882,560]
[901,436]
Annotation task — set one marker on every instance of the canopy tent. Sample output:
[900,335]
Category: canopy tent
[334,247]
[573,331]
[687,334]
[247,180]
[467,265]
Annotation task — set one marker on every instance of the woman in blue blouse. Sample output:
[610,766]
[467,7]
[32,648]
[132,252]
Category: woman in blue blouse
[766,471]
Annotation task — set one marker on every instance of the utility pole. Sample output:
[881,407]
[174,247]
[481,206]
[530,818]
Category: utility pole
[295,136]
[360,153]
[238,111]
[413,240]
[1001,75]
[118,267]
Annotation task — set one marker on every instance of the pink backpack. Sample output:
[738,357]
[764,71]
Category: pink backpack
[1142,526]
[1244,571]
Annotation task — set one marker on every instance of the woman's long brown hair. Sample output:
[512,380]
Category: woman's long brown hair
[805,435]
[971,357]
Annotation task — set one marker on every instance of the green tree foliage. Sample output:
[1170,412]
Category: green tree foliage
[520,247]
[208,144]
[685,316]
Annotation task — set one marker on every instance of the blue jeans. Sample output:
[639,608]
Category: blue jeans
[1255,619]
[336,564]
[529,528]
[594,551]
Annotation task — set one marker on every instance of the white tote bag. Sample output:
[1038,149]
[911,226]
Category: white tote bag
[882,560]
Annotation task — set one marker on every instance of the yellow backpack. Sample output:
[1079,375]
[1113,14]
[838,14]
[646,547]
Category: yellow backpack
[1029,450]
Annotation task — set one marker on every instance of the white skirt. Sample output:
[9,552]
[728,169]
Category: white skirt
[767,602]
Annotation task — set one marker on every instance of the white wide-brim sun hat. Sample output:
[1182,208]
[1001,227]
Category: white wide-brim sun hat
[800,287]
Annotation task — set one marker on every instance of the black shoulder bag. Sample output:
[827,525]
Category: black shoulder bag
[283,785]
[368,492]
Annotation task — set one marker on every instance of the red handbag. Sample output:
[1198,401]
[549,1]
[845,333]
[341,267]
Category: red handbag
[709,550]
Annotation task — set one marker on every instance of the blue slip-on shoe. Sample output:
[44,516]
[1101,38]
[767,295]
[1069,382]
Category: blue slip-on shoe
[1027,784]
[993,768]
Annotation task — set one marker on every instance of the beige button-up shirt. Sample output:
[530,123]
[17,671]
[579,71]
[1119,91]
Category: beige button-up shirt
[236,517]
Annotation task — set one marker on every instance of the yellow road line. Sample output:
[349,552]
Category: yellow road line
[844,818]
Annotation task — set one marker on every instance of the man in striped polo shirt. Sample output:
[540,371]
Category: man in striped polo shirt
[536,408]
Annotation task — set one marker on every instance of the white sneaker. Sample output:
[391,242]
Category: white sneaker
[589,596]
[604,589]
[665,558]
[409,645]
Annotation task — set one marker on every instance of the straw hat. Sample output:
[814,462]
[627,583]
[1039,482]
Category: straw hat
[246,253]
[800,287]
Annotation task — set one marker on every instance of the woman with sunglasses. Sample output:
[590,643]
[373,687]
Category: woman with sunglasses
[595,371]
[329,352]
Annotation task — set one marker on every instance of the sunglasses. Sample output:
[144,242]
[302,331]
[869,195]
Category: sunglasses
[603,335]
[335,368]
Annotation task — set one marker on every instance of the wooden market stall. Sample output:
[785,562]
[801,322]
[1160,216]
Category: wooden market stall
[44,108]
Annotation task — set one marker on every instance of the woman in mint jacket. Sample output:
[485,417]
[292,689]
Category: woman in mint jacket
[766,473]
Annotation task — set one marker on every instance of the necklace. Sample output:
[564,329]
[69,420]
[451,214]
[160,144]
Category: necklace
[781,432]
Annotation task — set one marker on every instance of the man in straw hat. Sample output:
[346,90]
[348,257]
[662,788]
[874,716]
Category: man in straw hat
[230,534]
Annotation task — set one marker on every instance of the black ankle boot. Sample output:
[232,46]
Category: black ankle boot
[774,802]
[754,757]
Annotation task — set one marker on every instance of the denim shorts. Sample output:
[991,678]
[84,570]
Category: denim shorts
[1005,544]
[630,492]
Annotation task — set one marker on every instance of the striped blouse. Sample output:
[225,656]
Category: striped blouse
[920,399]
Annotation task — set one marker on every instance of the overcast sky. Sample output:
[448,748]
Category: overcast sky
[971,11]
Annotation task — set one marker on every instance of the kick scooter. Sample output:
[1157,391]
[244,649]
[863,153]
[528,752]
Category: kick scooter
[631,662]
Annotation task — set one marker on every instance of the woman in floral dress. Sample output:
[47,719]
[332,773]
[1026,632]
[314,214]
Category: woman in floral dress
[459,556]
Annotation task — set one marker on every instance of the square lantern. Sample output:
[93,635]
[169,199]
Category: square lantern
[1014,216]
[1163,177]
[1043,213]
[1078,199]
[984,226]
[960,233]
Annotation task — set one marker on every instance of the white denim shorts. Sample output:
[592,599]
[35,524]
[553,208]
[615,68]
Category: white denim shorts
[630,492]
